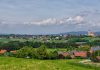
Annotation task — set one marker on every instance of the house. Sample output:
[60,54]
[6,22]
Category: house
[82,54]
[72,54]
[91,34]
[98,58]
[3,51]
[95,58]
[94,49]
[62,55]
[14,52]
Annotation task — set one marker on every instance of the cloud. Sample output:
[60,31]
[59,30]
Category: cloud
[72,23]
[78,19]
[90,19]
[55,21]
[45,21]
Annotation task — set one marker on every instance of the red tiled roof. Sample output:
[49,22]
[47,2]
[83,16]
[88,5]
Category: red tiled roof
[2,51]
[81,54]
[65,54]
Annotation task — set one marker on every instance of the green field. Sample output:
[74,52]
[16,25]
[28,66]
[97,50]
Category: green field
[11,63]
[7,40]
[34,40]
[39,40]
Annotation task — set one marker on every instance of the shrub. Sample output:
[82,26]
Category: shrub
[53,55]
[78,57]
[41,52]
[94,55]
[68,57]
[25,52]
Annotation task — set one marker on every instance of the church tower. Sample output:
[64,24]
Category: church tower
[91,33]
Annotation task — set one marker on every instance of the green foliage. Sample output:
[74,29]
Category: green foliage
[25,52]
[68,57]
[11,45]
[53,55]
[88,66]
[94,56]
[84,48]
[12,63]
[41,52]
[96,53]
[69,48]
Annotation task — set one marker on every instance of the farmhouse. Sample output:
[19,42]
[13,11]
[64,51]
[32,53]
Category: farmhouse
[62,54]
[3,51]
[94,49]
[72,54]
[82,54]
[98,58]
[95,54]
[14,52]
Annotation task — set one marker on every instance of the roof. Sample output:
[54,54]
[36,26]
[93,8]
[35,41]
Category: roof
[14,51]
[80,53]
[95,48]
[2,51]
[63,53]
[98,57]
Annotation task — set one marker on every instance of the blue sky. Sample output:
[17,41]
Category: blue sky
[49,16]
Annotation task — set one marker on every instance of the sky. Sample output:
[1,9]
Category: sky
[49,16]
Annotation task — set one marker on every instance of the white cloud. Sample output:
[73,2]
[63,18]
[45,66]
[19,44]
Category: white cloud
[77,22]
[78,19]
[45,21]
[81,21]
[52,21]
[48,21]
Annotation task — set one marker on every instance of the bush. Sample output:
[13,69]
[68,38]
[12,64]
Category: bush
[12,54]
[25,52]
[79,57]
[41,52]
[68,57]
[53,55]
[5,54]
[94,55]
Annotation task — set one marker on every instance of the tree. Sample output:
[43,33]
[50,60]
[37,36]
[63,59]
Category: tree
[41,52]
[53,54]
[84,48]
[25,52]
[96,53]
[94,56]
[11,45]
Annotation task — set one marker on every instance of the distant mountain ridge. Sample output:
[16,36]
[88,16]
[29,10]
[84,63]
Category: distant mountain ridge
[75,33]
[64,33]
[79,33]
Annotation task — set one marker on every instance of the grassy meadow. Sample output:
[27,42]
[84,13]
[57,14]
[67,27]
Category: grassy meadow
[11,63]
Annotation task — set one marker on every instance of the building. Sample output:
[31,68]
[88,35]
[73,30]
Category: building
[93,49]
[90,33]
[3,51]
[62,55]
[14,52]
[82,54]
[95,58]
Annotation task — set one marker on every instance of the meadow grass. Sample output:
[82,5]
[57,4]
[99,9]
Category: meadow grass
[11,63]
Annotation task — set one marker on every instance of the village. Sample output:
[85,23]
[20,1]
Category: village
[71,48]
[49,34]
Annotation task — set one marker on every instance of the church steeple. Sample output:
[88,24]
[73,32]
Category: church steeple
[90,33]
